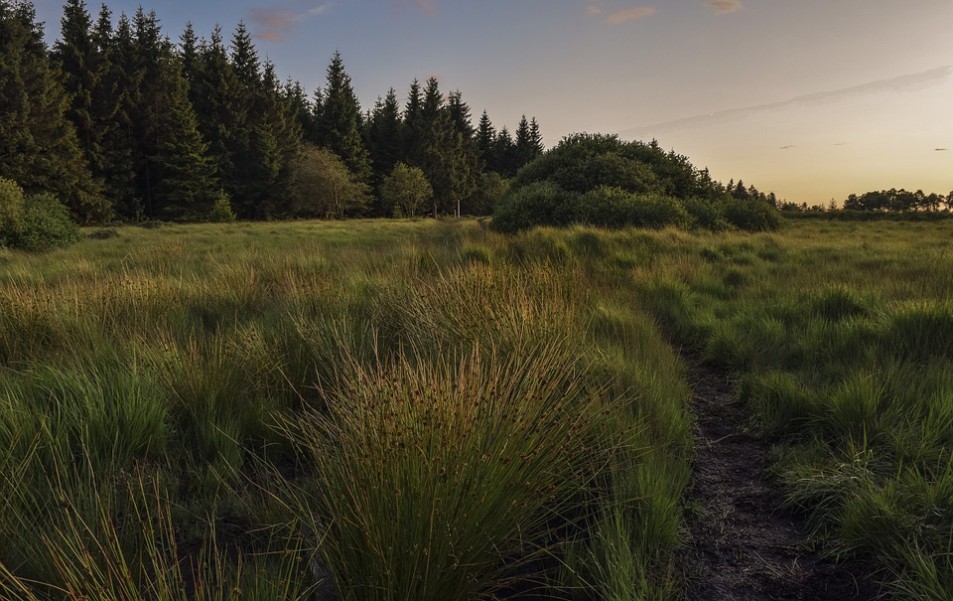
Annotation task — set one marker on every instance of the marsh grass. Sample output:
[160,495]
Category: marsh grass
[840,336]
[430,409]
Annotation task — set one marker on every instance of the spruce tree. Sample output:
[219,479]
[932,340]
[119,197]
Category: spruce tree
[535,138]
[187,183]
[460,114]
[189,56]
[116,110]
[485,136]
[414,129]
[383,138]
[77,58]
[38,144]
[504,153]
[339,121]
[525,149]
[217,103]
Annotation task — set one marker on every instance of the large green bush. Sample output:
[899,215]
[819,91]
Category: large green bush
[752,215]
[46,224]
[601,180]
[614,207]
[542,203]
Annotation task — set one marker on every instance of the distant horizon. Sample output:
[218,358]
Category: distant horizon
[806,102]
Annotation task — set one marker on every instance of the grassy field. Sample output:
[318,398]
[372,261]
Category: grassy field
[429,410]
[398,410]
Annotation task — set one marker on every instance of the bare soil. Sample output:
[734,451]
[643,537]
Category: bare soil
[745,547]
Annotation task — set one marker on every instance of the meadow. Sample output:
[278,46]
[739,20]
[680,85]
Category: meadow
[432,410]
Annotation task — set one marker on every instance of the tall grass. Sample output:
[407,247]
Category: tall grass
[840,335]
[385,410]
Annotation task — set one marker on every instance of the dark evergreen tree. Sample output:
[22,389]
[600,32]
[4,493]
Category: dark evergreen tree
[189,56]
[525,149]
[339,121]
[77,57]
[536,138]
[383,139]
[216,98]
[504,153]
[187,180]
[38,144]
[460,114]
[116,107]
[485,137]
[414,129]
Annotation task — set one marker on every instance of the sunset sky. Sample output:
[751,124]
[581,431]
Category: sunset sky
[811,99]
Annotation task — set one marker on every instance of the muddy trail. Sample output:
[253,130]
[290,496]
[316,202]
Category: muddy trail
[745,547]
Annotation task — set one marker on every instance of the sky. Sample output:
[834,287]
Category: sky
[810,99]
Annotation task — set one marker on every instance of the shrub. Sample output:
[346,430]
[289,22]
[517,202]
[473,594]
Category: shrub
[222,210]
[705,214]
[752,215]
[406,190]
[46,224]
[11,211]
[658,211]
[607,206]
[541,203]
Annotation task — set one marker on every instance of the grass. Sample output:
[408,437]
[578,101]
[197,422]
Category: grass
[394,410]
[840,336]
[425,409]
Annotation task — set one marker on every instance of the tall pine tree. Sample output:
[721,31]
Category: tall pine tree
[38,144]
[339,121]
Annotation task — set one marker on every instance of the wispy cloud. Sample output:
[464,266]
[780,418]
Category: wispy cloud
[630,14]
[427,7]
[903,83]
[592,9]
[725,6]
[276,24]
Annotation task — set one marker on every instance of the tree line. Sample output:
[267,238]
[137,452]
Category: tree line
[121,123]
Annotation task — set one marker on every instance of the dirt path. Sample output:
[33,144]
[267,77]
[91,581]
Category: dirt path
[745,548]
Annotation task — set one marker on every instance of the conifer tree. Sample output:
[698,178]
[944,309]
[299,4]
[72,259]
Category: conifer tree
[504,153]
[485,136]
[535,138]
[215,94]
[189,57]
[414,129]
[116,111]
[525,150]
[38,144]
[460,114]
[384,138]
[188,185]
[77,58]
[339,121]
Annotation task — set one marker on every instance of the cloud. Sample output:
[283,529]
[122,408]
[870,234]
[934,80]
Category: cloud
[630,14]
[592,9]
[725,6]
[276,24]
[788,146]
[940,149]
[903,83]
[427,7]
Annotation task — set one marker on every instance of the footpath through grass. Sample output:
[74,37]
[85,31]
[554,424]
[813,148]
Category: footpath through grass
[393,410]
[842,336]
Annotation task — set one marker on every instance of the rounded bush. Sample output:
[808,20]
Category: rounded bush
[46,224]
[658,211]
[752,215]
[542,203]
